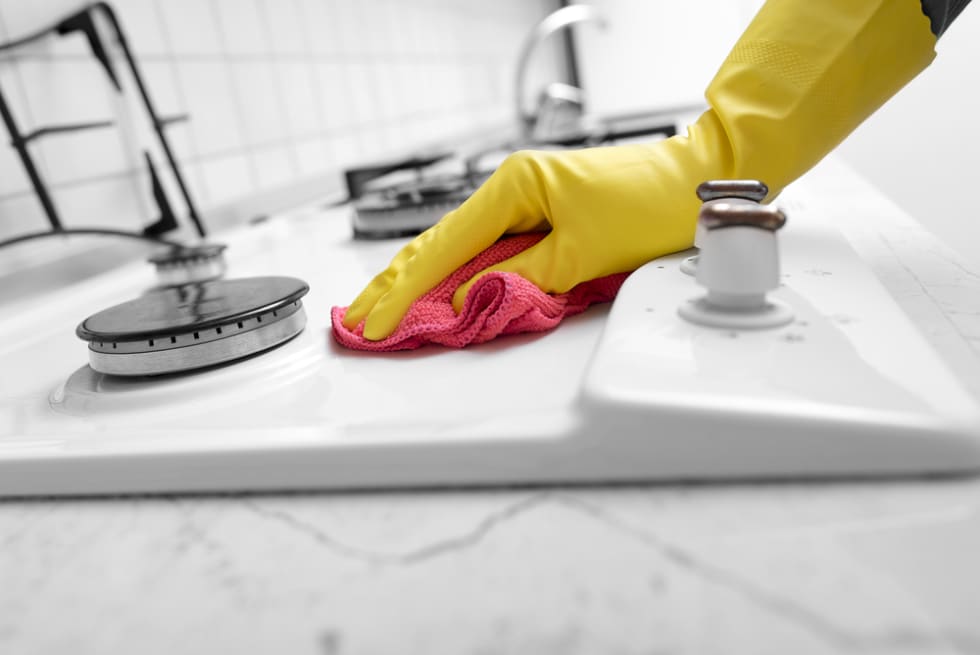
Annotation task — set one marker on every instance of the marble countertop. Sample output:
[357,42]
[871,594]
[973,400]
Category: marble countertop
[844,567]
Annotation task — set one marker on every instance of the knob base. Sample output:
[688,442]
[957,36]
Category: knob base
[770,314]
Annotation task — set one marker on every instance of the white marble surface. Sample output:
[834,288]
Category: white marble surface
[884,567]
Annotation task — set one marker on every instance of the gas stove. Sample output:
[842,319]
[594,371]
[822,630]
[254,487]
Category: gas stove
[405,195]
[395,207]
[627,392]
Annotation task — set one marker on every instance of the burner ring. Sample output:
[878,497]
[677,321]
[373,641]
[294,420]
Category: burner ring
[176,354]
[194,326]
[197,336]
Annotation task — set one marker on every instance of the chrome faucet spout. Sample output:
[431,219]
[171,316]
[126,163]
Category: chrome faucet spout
[553,22]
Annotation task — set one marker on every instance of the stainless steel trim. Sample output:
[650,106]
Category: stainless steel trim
[174,274]
[747,189]
[194,337]
[721,214]
[553,22]
[201,354]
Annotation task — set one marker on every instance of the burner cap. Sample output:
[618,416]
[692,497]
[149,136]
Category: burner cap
[194,325]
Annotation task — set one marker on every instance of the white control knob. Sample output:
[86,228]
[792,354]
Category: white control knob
[722,190]
[738,265]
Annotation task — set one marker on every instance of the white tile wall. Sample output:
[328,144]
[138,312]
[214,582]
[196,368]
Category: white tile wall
[277,91]
[22,215]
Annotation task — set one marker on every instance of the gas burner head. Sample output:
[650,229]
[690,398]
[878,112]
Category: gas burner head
[420,191]
[194,325]
[407,208]
[189,264]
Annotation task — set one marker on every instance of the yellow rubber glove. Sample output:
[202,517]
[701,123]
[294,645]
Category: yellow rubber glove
[802,76]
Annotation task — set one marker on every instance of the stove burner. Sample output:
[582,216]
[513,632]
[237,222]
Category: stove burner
[408,208]
[188,264]
[194,325]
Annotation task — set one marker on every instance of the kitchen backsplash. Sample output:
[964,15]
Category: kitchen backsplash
[276,91]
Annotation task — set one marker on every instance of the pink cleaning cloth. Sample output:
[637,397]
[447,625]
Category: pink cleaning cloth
[497,304]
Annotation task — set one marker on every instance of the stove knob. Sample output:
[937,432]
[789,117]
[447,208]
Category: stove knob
[728,190]
[738,265]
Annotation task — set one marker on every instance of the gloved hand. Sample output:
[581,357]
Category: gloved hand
[802,76]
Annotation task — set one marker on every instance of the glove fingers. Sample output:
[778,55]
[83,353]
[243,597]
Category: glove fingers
[418,267]
[432,260]
[381,283]
[366,300]
[536,264]
[511,200]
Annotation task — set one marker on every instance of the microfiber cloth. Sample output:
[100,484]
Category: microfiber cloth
[497,304]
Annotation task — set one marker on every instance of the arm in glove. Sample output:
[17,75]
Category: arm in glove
[802,76]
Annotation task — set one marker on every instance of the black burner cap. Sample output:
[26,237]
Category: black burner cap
[198,306]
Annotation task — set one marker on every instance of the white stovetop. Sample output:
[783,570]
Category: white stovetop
[810,568]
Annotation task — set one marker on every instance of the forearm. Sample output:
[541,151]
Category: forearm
[805,74]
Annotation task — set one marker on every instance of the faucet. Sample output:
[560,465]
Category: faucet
[560,106]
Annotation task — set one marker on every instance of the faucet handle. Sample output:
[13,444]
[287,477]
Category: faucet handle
[561,108]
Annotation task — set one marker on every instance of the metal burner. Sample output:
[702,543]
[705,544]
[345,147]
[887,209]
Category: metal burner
[189,264]
[408,208]
[194,325]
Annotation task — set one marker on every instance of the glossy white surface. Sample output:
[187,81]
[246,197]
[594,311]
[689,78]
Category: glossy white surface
[849,386]
[823,568]
[307,414]
[659,400]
